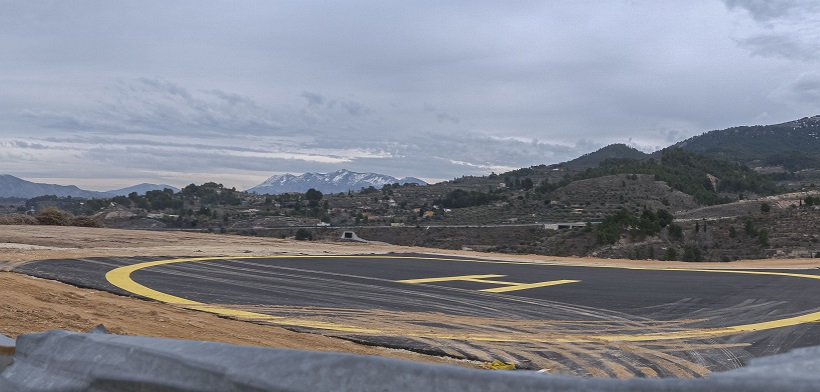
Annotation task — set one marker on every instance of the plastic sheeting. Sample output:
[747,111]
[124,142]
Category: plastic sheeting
[60,361]
[6,351]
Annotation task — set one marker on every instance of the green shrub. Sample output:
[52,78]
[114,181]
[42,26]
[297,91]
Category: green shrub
[304,234]
[692,253]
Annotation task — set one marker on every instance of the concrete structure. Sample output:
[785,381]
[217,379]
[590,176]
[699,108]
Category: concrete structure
[351,236]
[564,225]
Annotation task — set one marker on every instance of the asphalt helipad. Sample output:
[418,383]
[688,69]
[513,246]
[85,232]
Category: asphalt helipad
[582,320]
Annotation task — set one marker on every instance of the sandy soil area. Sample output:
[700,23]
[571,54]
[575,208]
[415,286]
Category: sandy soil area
[33,305]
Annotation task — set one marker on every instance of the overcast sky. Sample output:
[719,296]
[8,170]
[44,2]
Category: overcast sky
[106,94]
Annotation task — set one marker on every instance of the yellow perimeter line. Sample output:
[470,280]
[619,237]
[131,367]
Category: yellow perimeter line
[121,277]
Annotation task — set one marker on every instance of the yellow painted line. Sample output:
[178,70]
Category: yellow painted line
[524,286]
[474,278]
[498,282]
[510,286]
[121,277]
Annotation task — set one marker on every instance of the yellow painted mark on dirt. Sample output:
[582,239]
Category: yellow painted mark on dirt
[121,277]
[509,286]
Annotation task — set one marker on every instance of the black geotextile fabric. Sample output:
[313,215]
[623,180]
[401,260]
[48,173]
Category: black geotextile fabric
[61,361]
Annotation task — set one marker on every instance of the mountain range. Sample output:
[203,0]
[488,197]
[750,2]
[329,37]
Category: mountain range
[338,181]
[14,187]
[11,186]
[793,146]
[612,151]
[141,189]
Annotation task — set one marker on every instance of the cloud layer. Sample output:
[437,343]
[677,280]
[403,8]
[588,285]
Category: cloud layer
[104,95]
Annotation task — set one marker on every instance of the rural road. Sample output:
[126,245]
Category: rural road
[589,321]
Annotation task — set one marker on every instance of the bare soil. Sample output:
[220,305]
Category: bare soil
[35,305]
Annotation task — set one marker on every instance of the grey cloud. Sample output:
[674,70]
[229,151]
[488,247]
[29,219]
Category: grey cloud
[233,99]
[807,87]
[441,116]
[150,85]
[136,157]
[354,108]
[788,29]
[671,136]
[780,45]
[436,89]
[767,10]
[60,120]
[115,142]
[313,99]
[25,145]
[483,154]
[159,107]
[444,117]
[351,107]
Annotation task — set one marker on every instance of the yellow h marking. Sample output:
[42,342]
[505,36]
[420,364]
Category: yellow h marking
[509,286]
[452,278]
[524,286]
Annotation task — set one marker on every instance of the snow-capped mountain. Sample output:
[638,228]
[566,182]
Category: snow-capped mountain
[340,181]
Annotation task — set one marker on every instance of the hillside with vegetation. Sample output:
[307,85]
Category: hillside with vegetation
[794,145]
[675,204]
[610,152]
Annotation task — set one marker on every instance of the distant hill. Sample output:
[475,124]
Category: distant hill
[11,186]
[612,151]
[339,181]
[708,180]
[794,145]
[141,189]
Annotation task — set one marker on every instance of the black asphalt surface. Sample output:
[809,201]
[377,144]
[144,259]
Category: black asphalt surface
[604,300]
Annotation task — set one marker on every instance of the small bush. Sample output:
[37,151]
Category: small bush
[671,254]
[53,216]
[86,221]
[304,234]
[675,231]
[692,253]
[17,219]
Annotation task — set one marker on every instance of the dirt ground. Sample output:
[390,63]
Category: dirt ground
[34,305]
